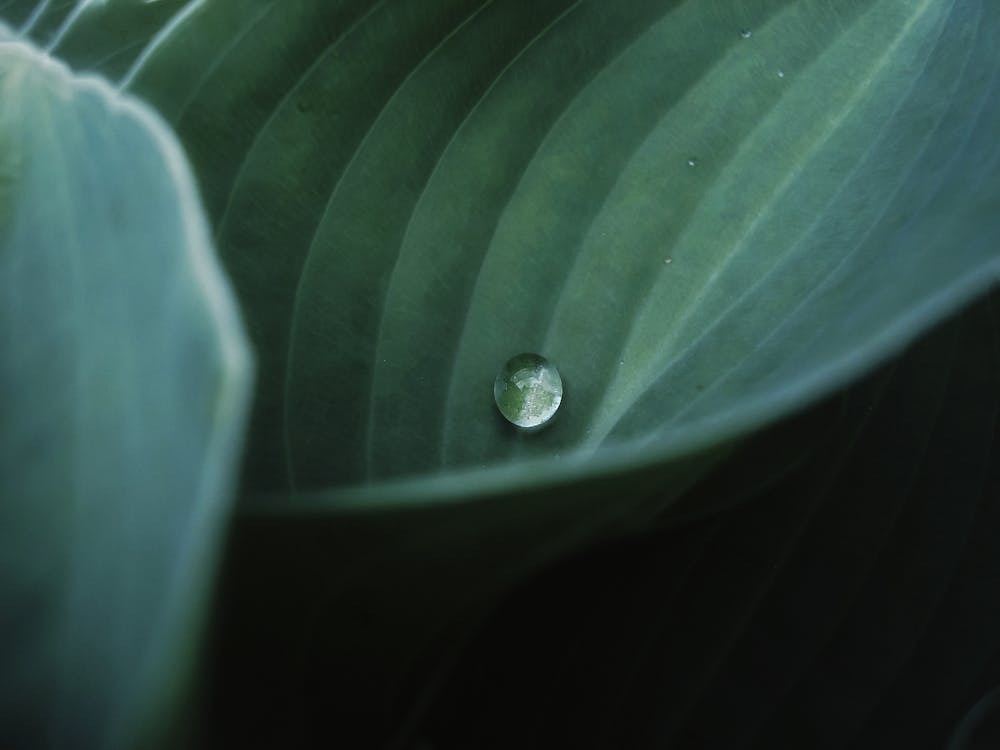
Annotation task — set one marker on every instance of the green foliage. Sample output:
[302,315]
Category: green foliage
[421,191]
[708,215]
[124,381]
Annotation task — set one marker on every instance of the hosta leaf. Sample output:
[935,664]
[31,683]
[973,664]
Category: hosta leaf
[124,378]
[407,194]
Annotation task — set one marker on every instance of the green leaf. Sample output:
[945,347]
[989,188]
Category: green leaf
[407,197]
[124,382]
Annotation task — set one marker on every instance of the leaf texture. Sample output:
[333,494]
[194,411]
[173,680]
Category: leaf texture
[708,215]
[705,215]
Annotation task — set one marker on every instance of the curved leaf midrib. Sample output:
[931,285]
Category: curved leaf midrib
[602,428]
[420,198]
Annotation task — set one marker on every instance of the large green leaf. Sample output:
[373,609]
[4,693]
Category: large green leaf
[413,194]
[124,376]
[408,193]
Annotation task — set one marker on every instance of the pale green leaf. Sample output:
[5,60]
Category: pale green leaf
[124,377]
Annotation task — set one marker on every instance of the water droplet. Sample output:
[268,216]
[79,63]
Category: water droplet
[528,390]
[692,162]
[781,74]
[668,261]
[746,33]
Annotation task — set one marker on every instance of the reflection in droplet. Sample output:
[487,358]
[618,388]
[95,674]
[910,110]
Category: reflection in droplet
[781,74]
[692,162]
[746,33]
[528,390]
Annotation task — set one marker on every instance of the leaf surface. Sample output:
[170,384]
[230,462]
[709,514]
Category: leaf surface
[406,198]
[705,215]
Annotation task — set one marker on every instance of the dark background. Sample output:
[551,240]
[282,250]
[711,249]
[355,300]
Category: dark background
[834,584]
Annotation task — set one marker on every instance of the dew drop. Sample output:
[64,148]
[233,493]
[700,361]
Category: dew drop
[746,33]
[781,74]
[692,162]
[528,390]
[668,261]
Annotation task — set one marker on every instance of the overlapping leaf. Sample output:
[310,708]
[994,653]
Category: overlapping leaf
[124,382]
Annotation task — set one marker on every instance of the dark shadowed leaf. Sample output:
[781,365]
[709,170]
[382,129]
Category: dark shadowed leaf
[851,605]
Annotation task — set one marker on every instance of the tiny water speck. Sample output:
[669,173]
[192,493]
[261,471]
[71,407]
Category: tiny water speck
[692,162]
[746,33]
[781,74]
[528,390]
[668,261]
